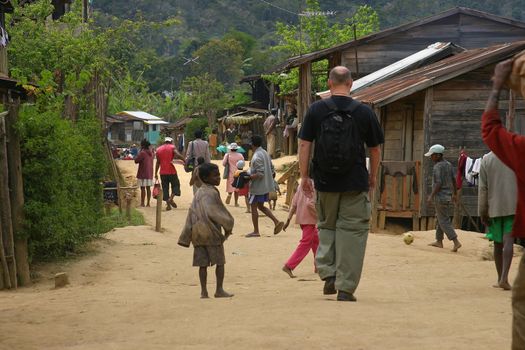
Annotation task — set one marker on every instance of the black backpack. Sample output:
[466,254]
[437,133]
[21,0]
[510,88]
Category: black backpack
[338,144]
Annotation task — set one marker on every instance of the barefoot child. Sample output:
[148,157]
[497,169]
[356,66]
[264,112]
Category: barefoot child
[195,181]
[303,205]
[241,182]
[206,216]
[443,193]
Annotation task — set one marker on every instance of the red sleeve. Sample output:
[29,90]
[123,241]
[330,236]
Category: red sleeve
[509,147]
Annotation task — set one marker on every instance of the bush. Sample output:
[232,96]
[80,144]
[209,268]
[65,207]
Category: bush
[63,165]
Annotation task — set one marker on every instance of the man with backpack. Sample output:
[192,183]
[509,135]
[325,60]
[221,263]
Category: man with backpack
[340,127]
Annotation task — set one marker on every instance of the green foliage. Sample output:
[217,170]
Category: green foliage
[195,124]
[205,96]
[314,33]
[63,160]
[62,166]
[221,59]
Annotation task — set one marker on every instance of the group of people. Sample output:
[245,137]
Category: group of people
[334,224]
[332,203]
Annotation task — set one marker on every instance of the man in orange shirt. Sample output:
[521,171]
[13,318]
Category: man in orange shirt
[212,141]
[168,174]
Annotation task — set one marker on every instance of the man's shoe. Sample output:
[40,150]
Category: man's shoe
[329,286]
[344,296]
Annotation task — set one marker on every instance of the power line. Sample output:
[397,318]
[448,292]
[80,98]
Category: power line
[280,8]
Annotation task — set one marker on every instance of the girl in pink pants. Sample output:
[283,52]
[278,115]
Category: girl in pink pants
[303,206]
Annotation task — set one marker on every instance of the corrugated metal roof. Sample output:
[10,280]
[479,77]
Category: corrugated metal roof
[431,53]
[139,115]
[325,53]
[156,122]
[422,78]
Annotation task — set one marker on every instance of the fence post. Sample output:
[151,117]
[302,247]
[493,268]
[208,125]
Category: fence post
[159,212]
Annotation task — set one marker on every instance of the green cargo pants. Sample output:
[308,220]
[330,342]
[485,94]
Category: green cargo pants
[518,308]
[343,232]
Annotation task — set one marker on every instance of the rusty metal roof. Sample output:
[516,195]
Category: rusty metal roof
[404,85]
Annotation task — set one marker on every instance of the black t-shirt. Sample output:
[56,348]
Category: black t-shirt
[371,134]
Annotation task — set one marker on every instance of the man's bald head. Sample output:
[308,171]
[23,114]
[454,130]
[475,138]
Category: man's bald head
[340,75]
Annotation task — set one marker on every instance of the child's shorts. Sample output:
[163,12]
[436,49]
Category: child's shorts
[208,255]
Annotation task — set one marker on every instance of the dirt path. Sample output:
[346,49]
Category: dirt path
[139,291]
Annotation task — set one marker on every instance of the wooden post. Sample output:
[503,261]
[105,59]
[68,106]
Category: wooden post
[128,205]
[458,218]
[107,206]
[305,90]
[16,186]
[158,225]
[5,209]
[6,281]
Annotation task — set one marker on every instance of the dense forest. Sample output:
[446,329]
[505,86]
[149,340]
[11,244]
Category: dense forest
[254,24]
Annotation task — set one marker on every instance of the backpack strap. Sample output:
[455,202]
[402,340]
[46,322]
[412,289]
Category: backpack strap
[329,102]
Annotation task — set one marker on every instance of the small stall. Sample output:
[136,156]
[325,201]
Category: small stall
[246,123]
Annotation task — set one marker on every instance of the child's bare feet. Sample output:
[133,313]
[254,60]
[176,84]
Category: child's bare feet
[228,199]
[221,293]
[505,285]
[204,295]
[436,244]
[288,271]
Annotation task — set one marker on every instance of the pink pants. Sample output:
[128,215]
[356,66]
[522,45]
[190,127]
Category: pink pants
[310,240]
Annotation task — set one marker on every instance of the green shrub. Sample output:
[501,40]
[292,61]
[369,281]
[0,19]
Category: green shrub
[63,166]
[200,123]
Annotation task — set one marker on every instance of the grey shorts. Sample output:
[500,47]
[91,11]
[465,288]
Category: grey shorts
[208,255]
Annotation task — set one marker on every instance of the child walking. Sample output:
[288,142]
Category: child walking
[303,205]
[206,216]
[241,182]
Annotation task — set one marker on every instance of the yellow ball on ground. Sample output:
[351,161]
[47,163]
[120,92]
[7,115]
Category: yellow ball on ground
[408,238]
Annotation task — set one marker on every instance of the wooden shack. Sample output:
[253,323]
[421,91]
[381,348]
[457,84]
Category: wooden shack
[440,103]
[462,26]
[134,126]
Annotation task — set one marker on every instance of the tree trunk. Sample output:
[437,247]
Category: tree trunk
[16,186]
[5,209]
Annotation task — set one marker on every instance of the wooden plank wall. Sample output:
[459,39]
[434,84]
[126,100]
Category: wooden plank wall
[401,144]
[394,125]
[454,121]
[464,30]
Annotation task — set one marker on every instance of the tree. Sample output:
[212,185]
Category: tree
[221,60]
[314,33]
[205,96]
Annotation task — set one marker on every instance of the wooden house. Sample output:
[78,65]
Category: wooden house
[462,26]
[440,103]
[134,126]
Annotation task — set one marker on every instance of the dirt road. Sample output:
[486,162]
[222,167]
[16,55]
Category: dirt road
[137,290]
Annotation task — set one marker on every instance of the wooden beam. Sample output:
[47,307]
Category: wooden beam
[5,209]
[292,169]
[16,186]
[427,122]
[305,89]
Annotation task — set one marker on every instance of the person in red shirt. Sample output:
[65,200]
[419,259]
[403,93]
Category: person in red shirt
[168,174]
[510,149]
